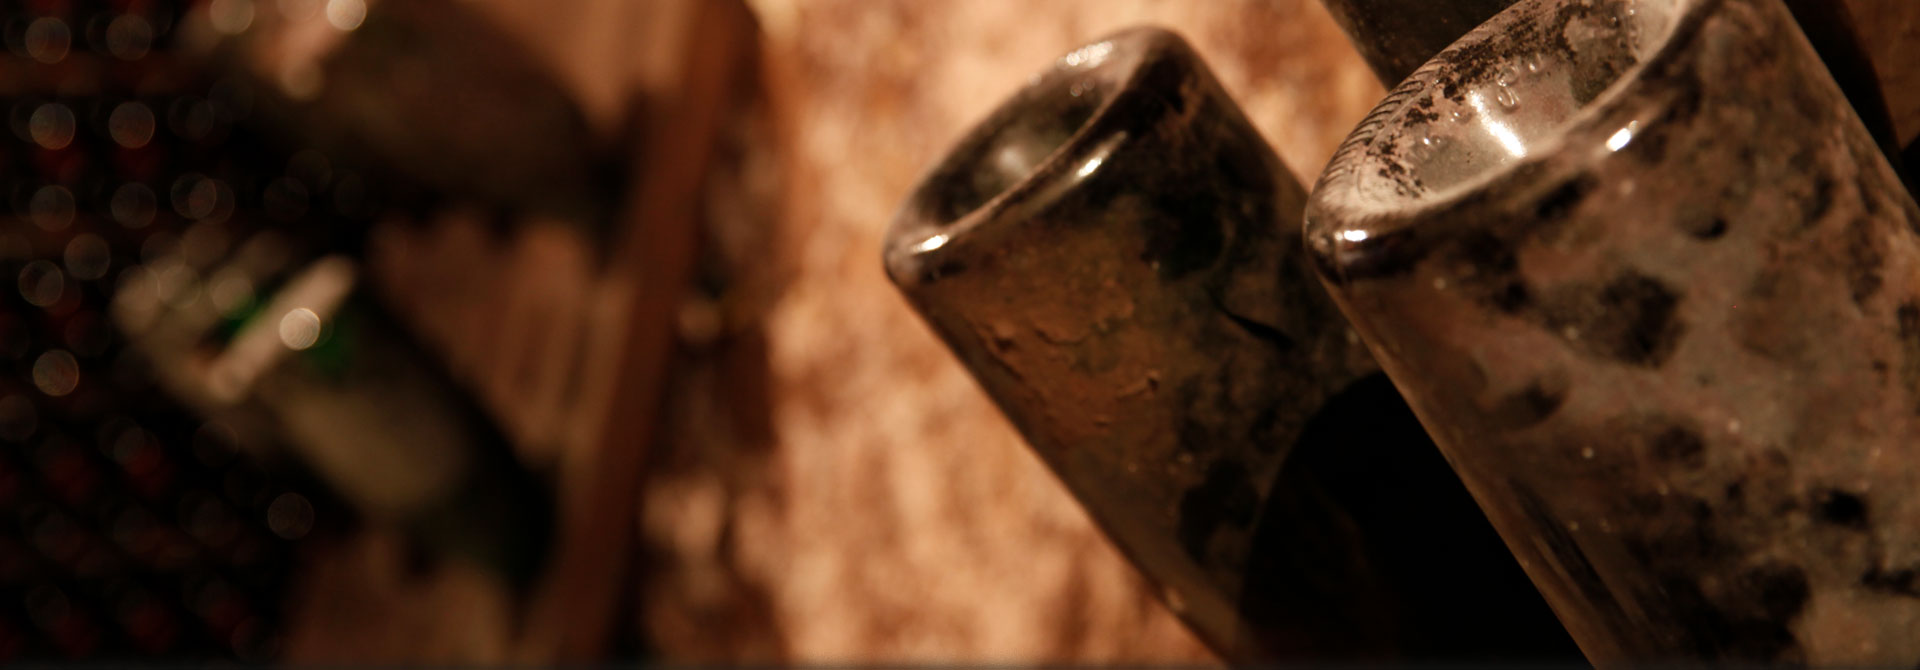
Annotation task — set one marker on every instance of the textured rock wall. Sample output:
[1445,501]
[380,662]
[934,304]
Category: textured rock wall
[1891,31]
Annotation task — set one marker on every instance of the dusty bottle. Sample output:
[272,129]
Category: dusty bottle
[1648,280]
[1111,253]
[1397,36]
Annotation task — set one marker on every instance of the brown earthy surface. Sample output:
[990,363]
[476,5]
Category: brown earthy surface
[1891,31]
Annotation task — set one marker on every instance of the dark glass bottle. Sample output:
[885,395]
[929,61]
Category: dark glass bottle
[1110,253]
[1653,296]
[309,358]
